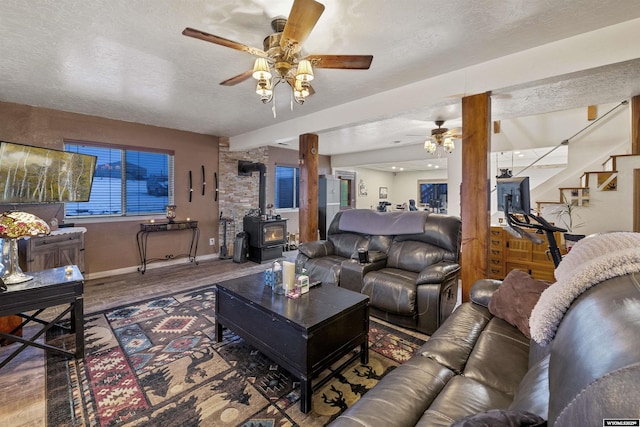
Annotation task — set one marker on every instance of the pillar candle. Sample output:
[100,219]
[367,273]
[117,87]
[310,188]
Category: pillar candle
[288,275]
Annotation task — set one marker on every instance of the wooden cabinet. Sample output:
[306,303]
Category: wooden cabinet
[60,248]
[507,253]
[496,253]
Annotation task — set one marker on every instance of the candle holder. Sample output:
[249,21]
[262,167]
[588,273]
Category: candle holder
[171,213]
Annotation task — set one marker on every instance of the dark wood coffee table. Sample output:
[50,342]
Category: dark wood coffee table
[304,335]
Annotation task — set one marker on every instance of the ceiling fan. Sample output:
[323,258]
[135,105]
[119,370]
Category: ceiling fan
[441,139]
[281,60]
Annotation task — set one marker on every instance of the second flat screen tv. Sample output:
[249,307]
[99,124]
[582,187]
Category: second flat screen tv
[514,192]
[31,174]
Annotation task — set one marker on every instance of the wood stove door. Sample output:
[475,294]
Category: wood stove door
[274,233]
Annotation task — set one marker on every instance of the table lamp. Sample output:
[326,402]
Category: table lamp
[13,226]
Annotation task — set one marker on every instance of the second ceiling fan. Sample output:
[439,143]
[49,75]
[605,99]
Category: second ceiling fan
[281,61]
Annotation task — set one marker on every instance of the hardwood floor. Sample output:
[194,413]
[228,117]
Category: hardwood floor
[22,381]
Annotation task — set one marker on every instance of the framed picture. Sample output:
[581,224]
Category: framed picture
[362,189]
[383,193]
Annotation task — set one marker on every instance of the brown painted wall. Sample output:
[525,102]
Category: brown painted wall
[112,245]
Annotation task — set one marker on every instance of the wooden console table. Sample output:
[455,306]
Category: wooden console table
[149,227]
[48,288]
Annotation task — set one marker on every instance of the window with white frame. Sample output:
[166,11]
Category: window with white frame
[127,181]
[287,184]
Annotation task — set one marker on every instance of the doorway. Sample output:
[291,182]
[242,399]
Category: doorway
[347,189]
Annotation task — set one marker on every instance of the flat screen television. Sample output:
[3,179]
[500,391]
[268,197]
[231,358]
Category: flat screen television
[31,174]
[518,190]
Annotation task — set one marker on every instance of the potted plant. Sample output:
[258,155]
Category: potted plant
[567,215]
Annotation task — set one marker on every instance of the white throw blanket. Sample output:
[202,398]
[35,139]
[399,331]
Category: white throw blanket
[591,261]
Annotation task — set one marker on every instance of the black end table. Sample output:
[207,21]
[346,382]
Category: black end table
[48,288]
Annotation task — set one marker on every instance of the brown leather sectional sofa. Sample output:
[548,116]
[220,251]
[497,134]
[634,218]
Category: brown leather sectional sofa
[412,273]
[476,362]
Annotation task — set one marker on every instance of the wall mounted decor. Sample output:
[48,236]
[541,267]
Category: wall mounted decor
[362,189]
[204,182]
[383,192]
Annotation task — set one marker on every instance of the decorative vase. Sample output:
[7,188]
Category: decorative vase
[171,212]
[12,272]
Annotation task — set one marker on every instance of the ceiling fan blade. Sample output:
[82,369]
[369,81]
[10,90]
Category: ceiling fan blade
[197,34]
[454,133]
[352,62]
[237,79]
[302,18]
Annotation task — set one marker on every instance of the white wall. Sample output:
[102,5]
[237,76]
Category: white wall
[607,210]
[372,181]
[405,184]
[401,186]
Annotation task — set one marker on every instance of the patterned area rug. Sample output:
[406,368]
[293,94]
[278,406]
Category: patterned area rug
[156,363]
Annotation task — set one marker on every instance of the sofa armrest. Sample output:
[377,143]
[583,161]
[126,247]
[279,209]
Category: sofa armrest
[352,273]
[437,273]
[374,257]
[316,249]
[482,290]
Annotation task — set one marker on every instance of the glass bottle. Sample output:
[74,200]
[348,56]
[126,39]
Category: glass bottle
[278,287]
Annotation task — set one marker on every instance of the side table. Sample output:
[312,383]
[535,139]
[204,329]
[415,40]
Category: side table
[48,288]
[148,227]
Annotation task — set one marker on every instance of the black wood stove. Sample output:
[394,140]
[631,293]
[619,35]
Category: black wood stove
[267,237]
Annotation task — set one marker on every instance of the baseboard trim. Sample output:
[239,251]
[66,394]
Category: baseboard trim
[133,269]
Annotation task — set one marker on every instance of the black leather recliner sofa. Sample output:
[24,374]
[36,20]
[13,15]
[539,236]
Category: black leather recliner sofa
[411,276]
[478,365]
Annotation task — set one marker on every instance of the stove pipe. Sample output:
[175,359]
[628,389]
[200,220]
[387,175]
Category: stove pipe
[245,168]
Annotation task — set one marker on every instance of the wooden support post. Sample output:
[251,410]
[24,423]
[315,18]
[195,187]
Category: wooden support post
[474,191]
[635,125]
[308,209]
[635,149]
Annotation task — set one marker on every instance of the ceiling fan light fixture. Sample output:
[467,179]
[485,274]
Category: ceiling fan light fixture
[304,72]
[430,146]
[281,60]
[441,141]
[263,89]
[261,69]
[448,145]
[301,90]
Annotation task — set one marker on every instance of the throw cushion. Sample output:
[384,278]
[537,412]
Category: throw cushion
[515,298]
[501,417]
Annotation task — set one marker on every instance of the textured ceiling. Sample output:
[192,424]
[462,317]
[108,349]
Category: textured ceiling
[127,60]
